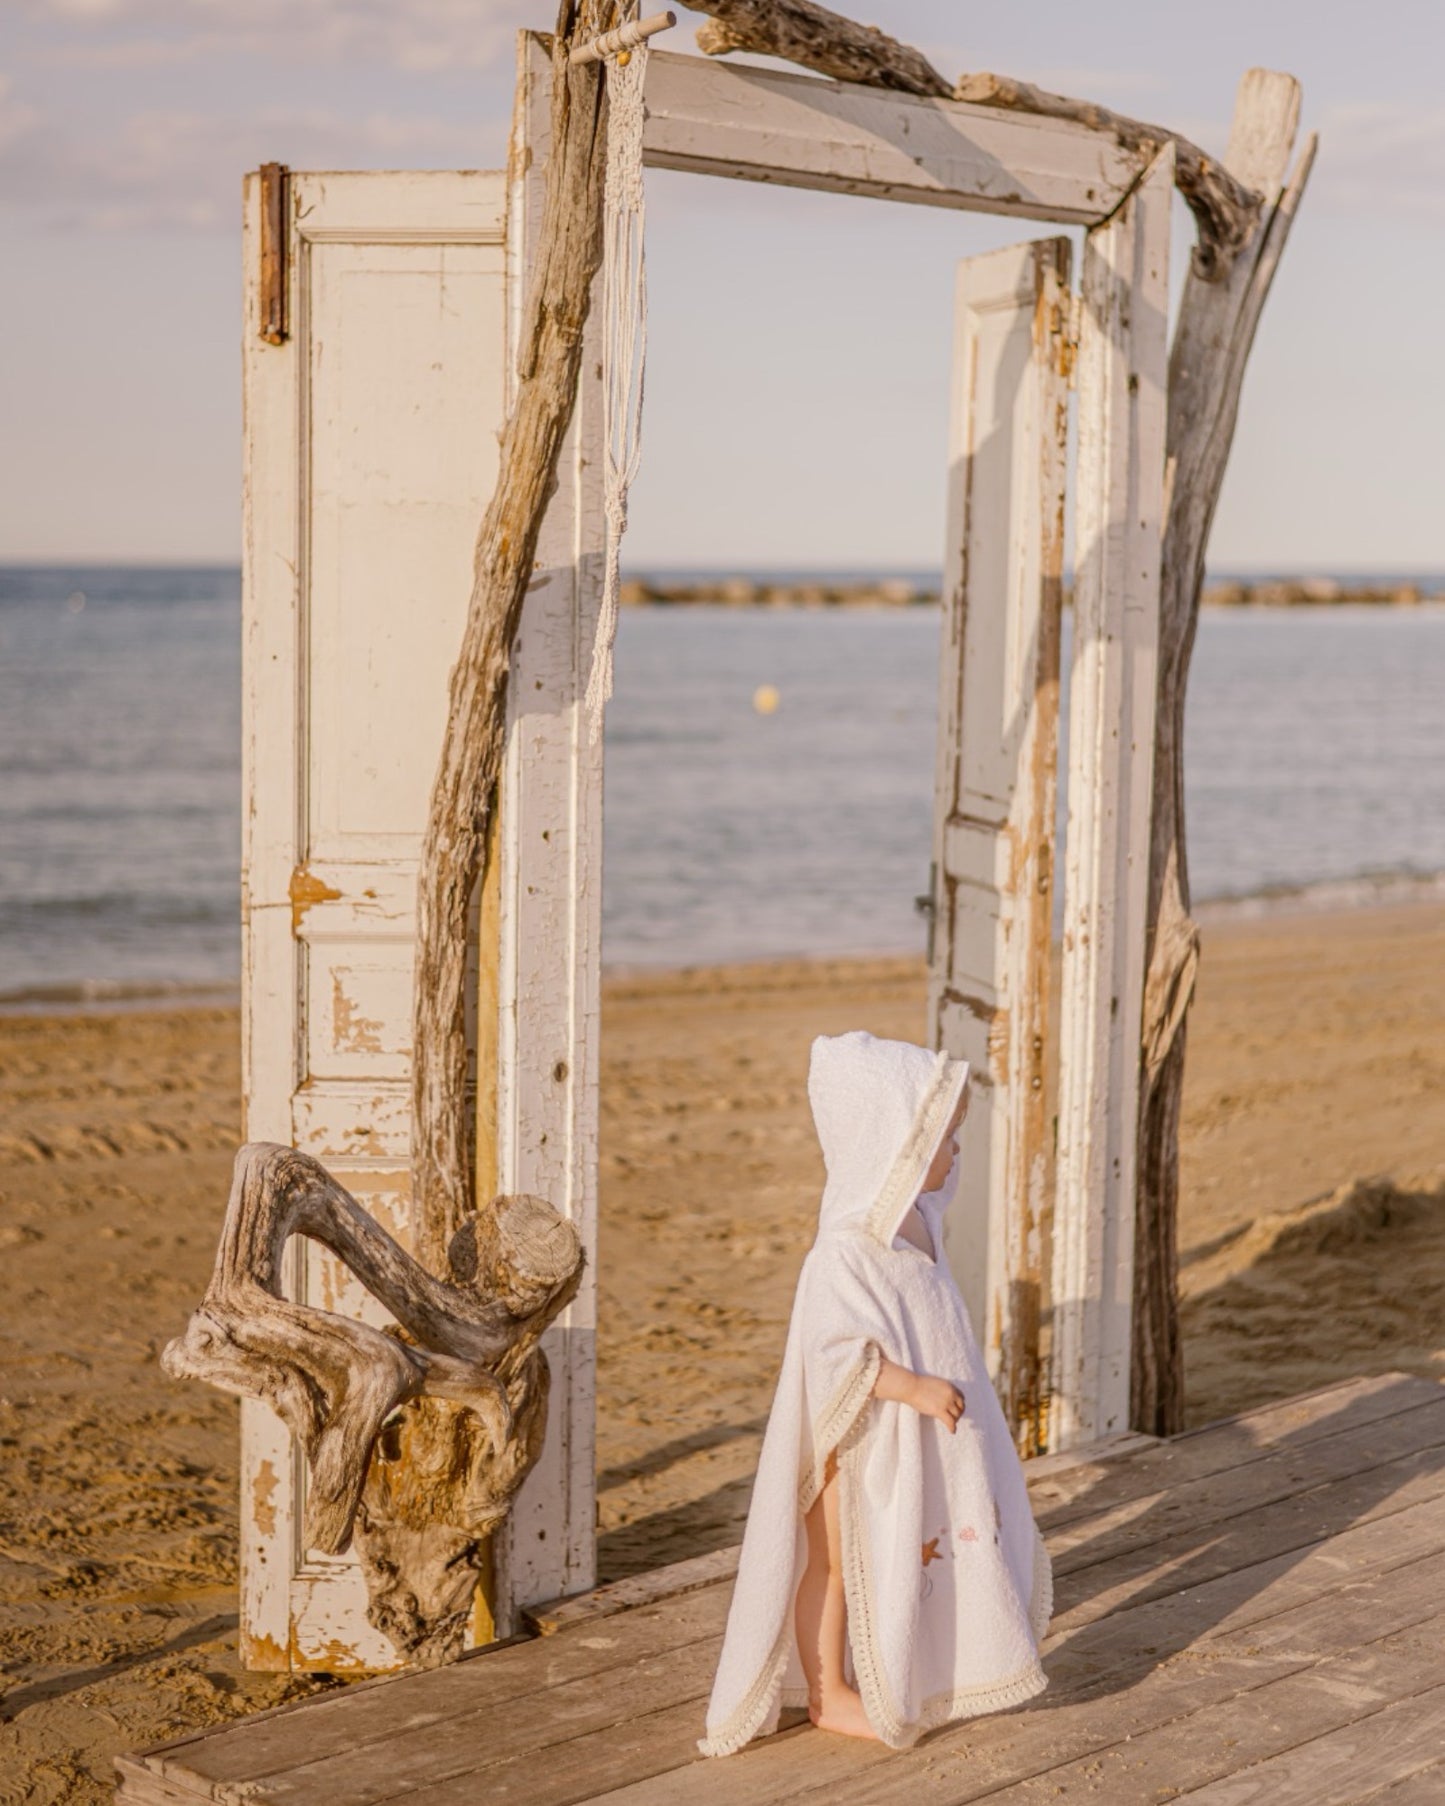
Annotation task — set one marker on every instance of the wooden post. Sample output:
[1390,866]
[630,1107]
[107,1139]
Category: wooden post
[1123,354]
[1216,327]
[549,967]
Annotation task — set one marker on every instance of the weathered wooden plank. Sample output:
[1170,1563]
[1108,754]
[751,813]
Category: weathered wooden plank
[138,1785]
[1295,1523]
[1198,1505]
[1324,1695]
[1346,1765]
[1142,1666]
[1426,1787]
[1060,1497]
[995,792]
[1084,1462]
[1126,1671]
[1123,390]
[1261,1716]
[625,1595]
[803,131]
[470,1746]
[591,1768]
[370,1715]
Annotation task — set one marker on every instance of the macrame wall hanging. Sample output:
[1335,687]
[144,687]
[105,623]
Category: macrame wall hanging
[624,313]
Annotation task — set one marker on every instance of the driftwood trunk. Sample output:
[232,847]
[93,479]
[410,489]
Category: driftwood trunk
[418,1437]
[1216,327]
[463,797]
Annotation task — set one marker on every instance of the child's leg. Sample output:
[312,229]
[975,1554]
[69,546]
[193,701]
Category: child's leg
[820,1617]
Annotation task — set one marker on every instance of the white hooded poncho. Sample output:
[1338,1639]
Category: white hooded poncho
[947,1580]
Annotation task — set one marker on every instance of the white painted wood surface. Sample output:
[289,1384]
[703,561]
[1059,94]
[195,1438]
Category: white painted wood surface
[1122,383]
[370,453]
[996,786]
[803,131]
[551,920]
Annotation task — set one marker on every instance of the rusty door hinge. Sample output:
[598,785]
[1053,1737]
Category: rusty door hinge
[275,204]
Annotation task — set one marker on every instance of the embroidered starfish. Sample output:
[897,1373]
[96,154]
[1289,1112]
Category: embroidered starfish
[930,1551]
[968,1534]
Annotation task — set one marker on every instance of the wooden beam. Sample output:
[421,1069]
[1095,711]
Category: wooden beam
[1224,207]
[771,125]
[812,36]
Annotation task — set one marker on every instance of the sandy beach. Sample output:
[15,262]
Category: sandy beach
[1313,1208]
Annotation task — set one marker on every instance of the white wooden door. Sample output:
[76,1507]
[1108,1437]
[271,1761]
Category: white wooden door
[371,452]
[996,789]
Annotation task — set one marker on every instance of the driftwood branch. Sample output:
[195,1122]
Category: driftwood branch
[816,38]
[1224,207]
[1212,340]
[363,1402]
[463,796]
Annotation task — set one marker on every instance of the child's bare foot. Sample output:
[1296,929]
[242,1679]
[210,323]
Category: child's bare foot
[842,1711]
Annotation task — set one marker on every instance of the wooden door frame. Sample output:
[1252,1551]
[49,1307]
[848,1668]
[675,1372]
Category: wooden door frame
[803,131]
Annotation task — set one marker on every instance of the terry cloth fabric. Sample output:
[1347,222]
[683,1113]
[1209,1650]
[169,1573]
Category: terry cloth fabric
[947,1580]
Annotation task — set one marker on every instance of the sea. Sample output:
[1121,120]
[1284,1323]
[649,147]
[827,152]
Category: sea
[768,775]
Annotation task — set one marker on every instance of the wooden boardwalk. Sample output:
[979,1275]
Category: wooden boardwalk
[1249,1615]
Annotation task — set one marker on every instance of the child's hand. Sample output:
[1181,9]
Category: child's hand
[938,1398]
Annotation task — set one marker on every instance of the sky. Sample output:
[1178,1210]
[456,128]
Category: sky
[799,343]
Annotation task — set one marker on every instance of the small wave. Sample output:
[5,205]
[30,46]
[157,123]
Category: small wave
[1365,890]
[125,908]
[94,993]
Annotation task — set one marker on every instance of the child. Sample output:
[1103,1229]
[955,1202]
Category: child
[891,1577]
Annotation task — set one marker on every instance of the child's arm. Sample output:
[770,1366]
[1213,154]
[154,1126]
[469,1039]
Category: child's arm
[928,1396]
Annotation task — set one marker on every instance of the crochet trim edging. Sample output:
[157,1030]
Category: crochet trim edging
[908,1171]
[842,1416]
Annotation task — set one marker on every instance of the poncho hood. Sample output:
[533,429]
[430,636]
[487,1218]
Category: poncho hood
[881,1109]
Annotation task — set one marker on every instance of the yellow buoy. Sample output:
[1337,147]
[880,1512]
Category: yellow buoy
[766,699]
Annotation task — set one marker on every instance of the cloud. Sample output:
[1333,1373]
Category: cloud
[402,34]
[18,120]
[169,171]
[1380,159]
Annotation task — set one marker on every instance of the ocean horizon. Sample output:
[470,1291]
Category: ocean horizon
[1314,741]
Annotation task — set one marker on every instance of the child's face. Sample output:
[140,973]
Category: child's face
[947,1152]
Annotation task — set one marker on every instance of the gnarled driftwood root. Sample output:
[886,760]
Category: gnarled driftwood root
[417,1436]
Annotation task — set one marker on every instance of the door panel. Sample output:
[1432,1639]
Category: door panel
[995,797]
